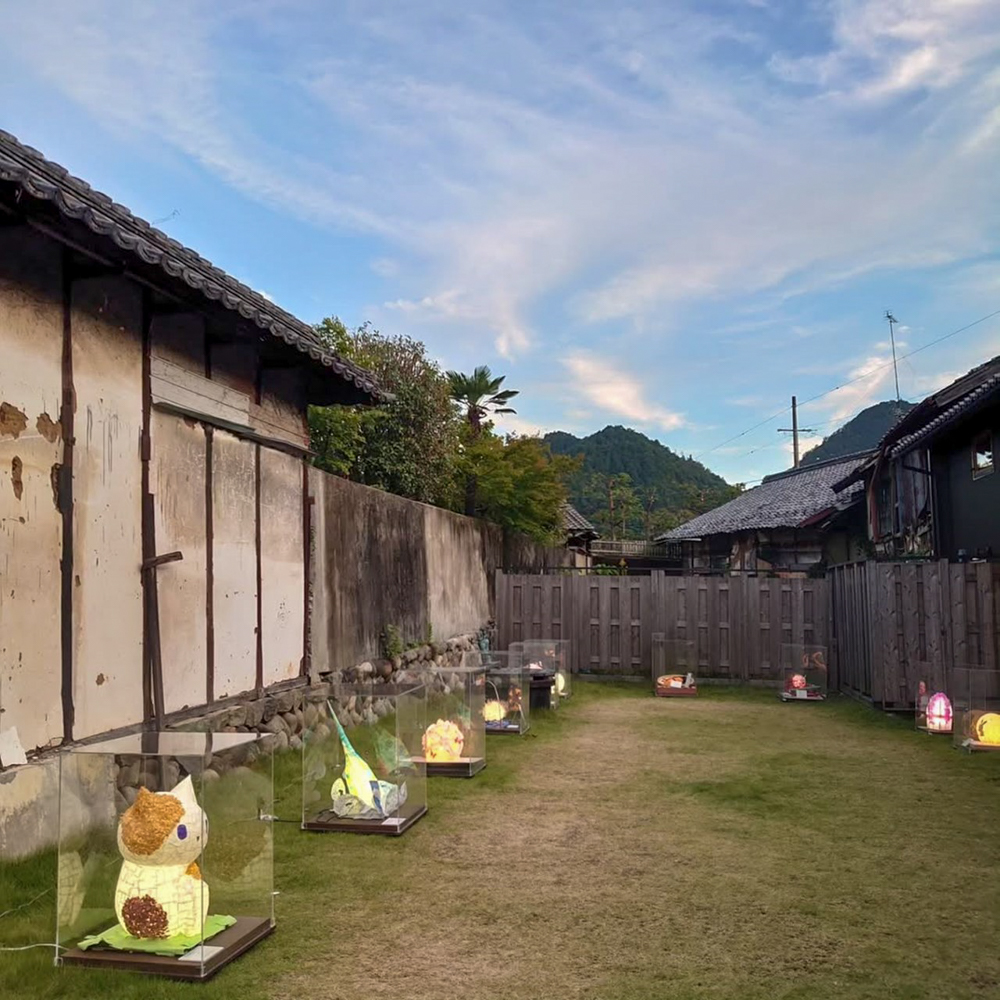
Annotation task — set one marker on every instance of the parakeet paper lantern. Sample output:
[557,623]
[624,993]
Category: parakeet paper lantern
[987,729]
[357,793]
[443,741]
[160,891]
[939,714]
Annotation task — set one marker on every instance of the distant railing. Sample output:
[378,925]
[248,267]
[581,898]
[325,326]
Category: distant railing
[629,547]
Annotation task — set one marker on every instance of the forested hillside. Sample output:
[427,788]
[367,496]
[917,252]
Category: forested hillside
[861,433]
[632,486]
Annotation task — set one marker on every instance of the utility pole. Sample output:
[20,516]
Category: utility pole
[892,340]
[794,430]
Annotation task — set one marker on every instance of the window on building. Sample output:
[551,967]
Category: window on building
[982,455]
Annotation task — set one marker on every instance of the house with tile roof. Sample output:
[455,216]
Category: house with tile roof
[154,498]
[793,523]
[932,488]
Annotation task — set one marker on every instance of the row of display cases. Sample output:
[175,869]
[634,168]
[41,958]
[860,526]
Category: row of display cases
[166,839]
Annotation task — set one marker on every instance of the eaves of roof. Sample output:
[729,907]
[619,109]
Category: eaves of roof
[76,200]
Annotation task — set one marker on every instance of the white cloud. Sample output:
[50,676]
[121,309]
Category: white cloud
[616,392]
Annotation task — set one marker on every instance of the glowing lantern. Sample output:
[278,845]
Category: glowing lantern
[798,682]
[494,711]
[560,684]
[939,713]
[443,741]
[160,892]
[987,729]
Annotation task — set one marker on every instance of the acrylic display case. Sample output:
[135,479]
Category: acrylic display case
[453,744]
[507,707]
[932,707]
[165,852]
[552,656]
[976,708]
[803,672]
[673,667]
[362,763]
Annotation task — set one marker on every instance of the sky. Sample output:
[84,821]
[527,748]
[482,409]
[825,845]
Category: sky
[668,215]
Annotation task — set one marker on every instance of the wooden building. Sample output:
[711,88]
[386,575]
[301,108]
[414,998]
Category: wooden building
[932,487]
[154,509]
[793,524]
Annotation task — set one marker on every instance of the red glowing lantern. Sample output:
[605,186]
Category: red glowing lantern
[939,713]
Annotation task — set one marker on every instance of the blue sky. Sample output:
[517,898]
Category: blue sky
[667,215]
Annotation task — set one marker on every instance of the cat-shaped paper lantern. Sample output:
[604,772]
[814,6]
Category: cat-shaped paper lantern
[160,892]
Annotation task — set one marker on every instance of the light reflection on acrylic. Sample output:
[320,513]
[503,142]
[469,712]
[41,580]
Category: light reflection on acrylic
[443,742]
[160,892]
[939,713]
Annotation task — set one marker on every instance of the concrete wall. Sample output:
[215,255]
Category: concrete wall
[381,560]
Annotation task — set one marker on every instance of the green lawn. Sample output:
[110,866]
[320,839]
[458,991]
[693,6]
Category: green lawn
[728,846]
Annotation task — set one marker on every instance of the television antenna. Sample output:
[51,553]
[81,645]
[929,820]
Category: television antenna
[892,340]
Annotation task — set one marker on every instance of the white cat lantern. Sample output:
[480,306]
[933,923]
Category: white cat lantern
[160,892]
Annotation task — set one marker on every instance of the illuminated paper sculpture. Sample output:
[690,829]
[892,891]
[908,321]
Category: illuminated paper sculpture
[507,705]
[442,742]
[363,769]
[932,707]
[939,714]
[135,863]
[975,692]
[673,663]
[550,656]
[160,890]
[803,672]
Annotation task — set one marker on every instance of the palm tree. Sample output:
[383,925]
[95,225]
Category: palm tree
[481,396]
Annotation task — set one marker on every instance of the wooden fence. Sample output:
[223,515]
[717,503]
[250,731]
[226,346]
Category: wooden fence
[737,624]
[893,624]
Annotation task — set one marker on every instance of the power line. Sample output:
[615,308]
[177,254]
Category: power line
[852,381]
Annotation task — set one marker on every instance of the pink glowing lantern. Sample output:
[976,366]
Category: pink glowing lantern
[798,682]
[939,714]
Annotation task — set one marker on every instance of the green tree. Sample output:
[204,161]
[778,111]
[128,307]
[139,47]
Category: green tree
[406,446]
[481,396]
[618,511]
[520,484]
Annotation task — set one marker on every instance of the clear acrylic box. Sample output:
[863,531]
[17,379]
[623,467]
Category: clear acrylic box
[803,672]
[976,708]
[454,741]
[673,667]
[933,711]
[553,656]
[507,707]
[362,763]
[165,859]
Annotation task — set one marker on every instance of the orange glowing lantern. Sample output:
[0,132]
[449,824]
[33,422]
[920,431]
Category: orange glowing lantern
[987,729]
[939,714]
[443,741]
[494,711]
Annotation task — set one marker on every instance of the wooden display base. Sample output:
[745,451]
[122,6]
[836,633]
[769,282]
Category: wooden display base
[464,767]
[515,730]
[785,696]
[934,732]
[393,826]
[688,692]
[220,951]
[974,746]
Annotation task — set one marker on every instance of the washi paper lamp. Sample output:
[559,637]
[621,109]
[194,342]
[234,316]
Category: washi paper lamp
[494,711]
[443,741]
[160,892]
[798,682]
[357,793]
[939,713]
[987,729]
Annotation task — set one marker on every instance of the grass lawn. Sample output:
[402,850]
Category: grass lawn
[727,846]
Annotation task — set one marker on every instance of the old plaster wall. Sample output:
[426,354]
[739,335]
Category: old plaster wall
[30,453]
[107,515]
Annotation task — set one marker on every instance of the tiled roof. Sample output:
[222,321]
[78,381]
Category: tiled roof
[574,523]
[75,199]
[987,388]
[785,500]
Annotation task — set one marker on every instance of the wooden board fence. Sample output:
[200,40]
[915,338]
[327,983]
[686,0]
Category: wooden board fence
[893,624]
[737,624]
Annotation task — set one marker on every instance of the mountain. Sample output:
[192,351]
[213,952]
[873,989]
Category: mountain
[861,433]
[681,484]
